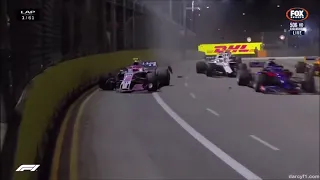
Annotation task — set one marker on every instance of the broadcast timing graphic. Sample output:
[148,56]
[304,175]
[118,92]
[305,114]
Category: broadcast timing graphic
[29,14]
[297,16]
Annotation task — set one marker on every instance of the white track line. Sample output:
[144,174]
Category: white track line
[243,171]
[213,112]
[192,95]
[264,143]
[186,84]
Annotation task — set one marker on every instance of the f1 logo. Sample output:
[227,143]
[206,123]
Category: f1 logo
[297,14]
[28,167]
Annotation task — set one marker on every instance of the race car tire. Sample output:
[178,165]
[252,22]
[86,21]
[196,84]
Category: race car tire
[239,60]
[107,84]
[201,67]
[259,81]
[300,67]
[231,75]
[308,84]
[163,75]
[170,69]
[243,66]
[153,82]
[243,77]
[211,69]
[209,73]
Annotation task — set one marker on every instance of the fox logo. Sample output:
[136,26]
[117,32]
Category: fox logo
[297,14]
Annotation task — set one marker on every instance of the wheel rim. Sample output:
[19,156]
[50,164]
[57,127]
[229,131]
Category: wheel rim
[150,85]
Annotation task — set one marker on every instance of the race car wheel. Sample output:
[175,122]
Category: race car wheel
[209,73]
[239,60]
[259,81]
[243,77]
[211,69]
[243,66]
[107,84]
[163,76]
[300,67]
[231,75]
[308,84]
[201,67]
[152,80]
[170,69]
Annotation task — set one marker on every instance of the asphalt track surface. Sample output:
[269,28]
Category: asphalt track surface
[217,130]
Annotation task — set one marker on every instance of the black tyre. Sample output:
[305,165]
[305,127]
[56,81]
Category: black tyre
[259,81]
[308,84]
[243,66]
[153,82]
[201,67]
[211,69]
[300,67]
[163,75]
[107,84]
[209,73]
[243,77]
[239,60]
[170,69]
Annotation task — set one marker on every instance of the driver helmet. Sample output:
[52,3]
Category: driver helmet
[221,54]
[271,63]
[228,52]
[136,61]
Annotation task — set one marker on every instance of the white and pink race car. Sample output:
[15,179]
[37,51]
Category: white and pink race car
[140,76]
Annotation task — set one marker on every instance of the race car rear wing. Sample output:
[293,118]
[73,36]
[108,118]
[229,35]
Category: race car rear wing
[256,64]
[149,64]
[208,58]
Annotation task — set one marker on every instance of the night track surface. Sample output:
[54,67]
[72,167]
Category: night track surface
[130,136]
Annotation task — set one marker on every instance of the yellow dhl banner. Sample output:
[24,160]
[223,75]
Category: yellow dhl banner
[234,48]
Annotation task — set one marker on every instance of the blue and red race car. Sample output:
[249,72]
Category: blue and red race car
[274,79]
